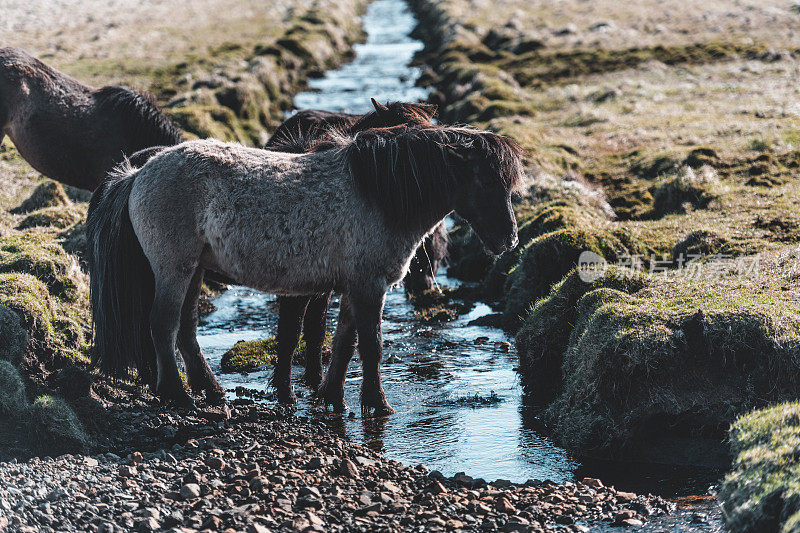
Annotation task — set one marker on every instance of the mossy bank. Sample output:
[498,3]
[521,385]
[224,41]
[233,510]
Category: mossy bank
[663,157]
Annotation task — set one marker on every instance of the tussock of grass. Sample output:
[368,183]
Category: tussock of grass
[684,191]
[548,258]
[12,390]
[48,194]
[60,217]
[656,363]
[54,427]
[762,492]
[249,356]
[545,333]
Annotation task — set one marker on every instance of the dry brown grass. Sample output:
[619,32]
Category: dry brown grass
[118,41]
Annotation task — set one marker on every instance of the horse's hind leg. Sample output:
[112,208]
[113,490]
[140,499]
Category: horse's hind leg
[331,391]
[291,310]
[200,376]
[367,310]
[314,334]
[164,324]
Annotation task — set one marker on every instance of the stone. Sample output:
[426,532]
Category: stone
[592,483]
[349,469]
[215,463]
[625,496]
[190,491]
[127,471]
[147,525]
[437,488]
[632,522]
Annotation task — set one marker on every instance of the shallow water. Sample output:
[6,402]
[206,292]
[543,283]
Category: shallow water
[457,396]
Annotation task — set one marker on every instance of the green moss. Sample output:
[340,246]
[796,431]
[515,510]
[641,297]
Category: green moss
[547,259]
[249,356]
[42,258]
[13,337]
[56,217]
[683,190]
[48,194]
[544,218]
[697,244]
[544,335]
[54,428]
[657,364]
[762,492]
[544,66]
[209,121]
[12,390]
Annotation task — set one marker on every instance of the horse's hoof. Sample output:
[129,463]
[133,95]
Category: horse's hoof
[374,401]
[177,397]
[215,396]
[286,396]
[182,402]
[313,380]
[333,399]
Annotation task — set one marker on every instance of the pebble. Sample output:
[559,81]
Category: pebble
[190,491]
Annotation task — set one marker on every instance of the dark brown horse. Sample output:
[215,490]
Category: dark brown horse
[71,132]
[296,135]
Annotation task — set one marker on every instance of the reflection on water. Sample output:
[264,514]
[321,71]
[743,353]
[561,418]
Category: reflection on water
[458,402]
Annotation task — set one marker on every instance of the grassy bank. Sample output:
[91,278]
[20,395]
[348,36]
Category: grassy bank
[761,492]
[666,147]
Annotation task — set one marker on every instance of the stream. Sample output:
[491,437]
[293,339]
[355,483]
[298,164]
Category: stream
[453,384]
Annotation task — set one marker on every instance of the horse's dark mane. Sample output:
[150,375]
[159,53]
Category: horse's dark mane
[310,129]
[410,171]
[402,112]
[148,125]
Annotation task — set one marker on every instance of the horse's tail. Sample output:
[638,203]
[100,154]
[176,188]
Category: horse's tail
[122,282]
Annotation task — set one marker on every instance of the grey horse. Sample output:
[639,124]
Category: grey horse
[348,217]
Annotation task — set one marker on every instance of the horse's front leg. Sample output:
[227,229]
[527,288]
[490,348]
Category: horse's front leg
[291,310]
[367,309]
[314,335]
[200,376]
[344,346]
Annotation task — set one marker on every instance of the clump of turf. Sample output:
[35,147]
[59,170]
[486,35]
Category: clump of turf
[12,390]
[249,356]
[48,194]
[53,426]
[685,190]
[545,333]
[52,217]
[45,287]
[697,244]
[44,259]
[654,365]
[546,259]
[762,491]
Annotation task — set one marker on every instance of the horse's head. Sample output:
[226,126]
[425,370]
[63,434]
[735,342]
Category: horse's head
[395,114]
[488,167]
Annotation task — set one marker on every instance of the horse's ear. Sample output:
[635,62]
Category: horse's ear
[379,107]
